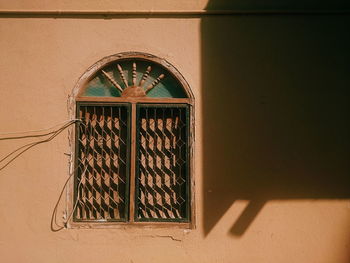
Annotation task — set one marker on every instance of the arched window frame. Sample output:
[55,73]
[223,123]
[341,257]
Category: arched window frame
[77,98]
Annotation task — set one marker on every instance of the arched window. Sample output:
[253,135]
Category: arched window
[133,146]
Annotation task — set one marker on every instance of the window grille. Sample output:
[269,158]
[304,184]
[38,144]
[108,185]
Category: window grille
[133,145]
[162,163]
[103,163]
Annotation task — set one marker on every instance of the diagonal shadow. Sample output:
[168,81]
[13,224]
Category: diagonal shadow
[276,93]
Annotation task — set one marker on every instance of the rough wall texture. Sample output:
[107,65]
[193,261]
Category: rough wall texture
[271,147]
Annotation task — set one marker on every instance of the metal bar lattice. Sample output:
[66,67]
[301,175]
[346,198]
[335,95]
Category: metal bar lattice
[162,184]
[102,159]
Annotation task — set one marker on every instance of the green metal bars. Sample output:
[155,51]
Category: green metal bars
[102,163]
[162,170]
[104,145]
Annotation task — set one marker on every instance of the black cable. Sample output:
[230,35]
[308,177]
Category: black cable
[30,145]
[32,136]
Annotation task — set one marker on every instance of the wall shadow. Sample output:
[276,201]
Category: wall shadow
[275,111]
[279,5]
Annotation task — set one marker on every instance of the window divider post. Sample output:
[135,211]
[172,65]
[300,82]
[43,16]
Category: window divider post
[132,164]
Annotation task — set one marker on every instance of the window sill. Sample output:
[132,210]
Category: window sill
[128,225]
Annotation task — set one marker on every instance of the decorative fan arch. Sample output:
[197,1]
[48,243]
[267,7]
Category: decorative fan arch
[135,75]
[134,90]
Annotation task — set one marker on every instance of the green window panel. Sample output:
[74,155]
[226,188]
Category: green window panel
[162,170]
[102,162]
[100,86]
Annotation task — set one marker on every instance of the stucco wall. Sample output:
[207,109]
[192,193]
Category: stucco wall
[271,146]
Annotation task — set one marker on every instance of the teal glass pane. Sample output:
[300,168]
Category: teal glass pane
[100,87]
[168,87]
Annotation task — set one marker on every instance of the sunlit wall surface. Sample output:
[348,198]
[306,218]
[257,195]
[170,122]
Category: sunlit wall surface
[271,158]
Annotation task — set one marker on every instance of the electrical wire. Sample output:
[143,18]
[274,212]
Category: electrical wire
[54,212]
[63,127]
[28,146]
[31,131]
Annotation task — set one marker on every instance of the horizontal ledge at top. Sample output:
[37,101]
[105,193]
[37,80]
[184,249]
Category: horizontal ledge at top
[164,13]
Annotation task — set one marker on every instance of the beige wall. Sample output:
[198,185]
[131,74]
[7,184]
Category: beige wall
[102,5]
[173,5]
[272,146]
